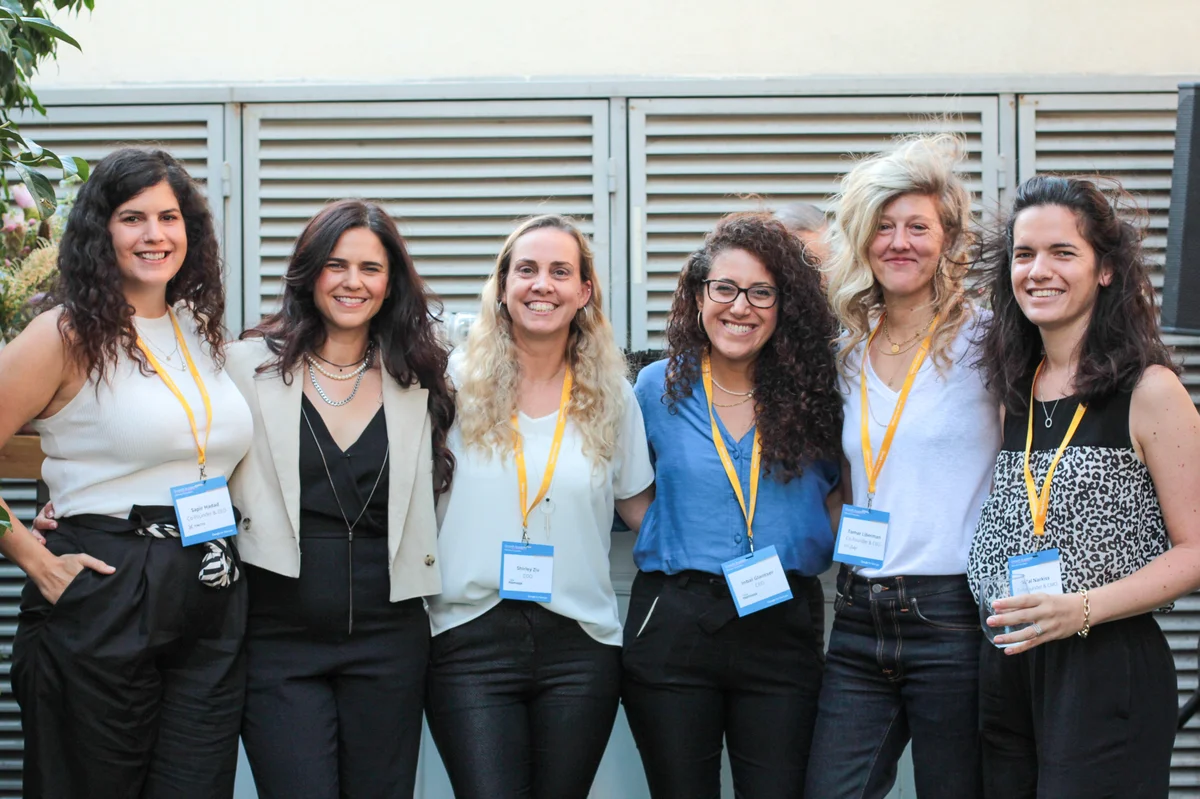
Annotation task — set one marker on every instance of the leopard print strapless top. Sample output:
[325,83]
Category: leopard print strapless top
[1104,516]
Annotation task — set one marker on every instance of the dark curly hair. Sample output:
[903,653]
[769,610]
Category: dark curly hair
[405,329]
[1122,336]
[97,319]
[797,407]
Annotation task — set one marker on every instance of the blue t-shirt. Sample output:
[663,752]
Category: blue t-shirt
[695,521]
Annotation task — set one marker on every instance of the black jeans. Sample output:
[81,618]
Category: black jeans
[521,704]
[132,684]
[1081,718]
[331,713]
[903,663]
[697,674]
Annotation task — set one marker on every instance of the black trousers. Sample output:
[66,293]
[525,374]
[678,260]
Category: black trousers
[332,713]
[131,685]
[1080,718]
[521,704]
[696,674]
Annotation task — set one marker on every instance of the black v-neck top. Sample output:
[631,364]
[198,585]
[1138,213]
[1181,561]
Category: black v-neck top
[353,471]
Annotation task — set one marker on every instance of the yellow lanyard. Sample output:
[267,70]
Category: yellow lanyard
[1039,503]
[874,466]
[201,446]
[727,462]
[551,462]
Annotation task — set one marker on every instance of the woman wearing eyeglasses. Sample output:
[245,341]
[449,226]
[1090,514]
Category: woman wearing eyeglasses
[744,420]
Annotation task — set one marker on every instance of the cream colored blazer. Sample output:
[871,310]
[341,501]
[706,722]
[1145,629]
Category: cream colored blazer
[266,484]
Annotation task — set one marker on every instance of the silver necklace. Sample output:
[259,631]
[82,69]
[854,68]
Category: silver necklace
[312,375]
[366,361]
[349,526]
[1050,416]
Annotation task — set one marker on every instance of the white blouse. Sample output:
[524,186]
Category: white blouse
[480,512]
[127,440]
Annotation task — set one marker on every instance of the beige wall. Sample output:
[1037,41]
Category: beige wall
[249,41]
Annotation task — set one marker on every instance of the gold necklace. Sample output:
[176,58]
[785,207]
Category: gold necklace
[896,347]
[733,404]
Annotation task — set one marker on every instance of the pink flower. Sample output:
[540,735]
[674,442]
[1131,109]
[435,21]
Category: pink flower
[22,197]
[13,220]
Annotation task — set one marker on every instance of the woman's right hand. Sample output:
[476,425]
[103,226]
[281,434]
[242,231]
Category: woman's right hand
[60,570]
[44,523]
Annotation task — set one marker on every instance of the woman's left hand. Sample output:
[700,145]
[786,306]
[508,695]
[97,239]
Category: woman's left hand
[1050,617]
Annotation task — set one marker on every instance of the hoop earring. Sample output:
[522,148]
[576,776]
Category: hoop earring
[700,321]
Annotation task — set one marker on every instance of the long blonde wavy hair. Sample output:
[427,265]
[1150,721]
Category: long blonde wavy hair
[926,164]
[487,391]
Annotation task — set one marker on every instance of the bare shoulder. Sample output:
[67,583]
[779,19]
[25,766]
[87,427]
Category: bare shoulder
[1160,389]
[1162,413]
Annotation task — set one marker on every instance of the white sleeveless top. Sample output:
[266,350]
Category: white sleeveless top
[127,441]
[939,469]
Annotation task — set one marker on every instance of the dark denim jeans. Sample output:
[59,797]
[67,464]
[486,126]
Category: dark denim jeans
[903,663]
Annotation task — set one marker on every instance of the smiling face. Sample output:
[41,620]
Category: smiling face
[1055,277]
[544,286]
[354,282]
[908,243]
[149,238]
[738,330]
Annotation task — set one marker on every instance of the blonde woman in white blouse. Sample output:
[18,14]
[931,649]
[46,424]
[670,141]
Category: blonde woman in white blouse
[524,682]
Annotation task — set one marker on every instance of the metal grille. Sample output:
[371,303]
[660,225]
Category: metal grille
[455,175]
[692,161]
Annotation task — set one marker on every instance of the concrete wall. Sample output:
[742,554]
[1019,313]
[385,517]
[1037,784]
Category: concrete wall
[371,41]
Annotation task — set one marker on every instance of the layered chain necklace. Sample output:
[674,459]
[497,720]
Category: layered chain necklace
[904,346]
[357,374]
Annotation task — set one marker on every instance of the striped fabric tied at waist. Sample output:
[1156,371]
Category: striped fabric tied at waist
[219,569]
[220,566]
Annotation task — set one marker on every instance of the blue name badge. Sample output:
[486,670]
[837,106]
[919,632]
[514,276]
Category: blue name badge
[526,571]
[861,537]
[1035,573]
[204,511]
[756,581]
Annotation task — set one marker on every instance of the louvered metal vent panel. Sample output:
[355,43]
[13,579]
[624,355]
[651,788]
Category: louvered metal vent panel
[691,161]
[192,133]
[456,176]
[1129,137]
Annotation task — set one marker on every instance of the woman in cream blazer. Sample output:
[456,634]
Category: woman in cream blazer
[347,388]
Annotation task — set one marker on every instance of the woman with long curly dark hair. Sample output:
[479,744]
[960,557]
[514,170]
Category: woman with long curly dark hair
[744,419]
[347,385]
[1078,697]
[920,434]
[127,661]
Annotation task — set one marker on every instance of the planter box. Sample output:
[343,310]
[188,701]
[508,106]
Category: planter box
[21,458]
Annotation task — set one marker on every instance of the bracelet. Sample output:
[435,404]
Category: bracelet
[1087,615]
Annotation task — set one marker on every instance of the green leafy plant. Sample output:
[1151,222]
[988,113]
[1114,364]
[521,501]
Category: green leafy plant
[27,39]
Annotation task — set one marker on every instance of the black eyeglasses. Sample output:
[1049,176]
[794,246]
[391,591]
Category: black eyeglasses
[724,292]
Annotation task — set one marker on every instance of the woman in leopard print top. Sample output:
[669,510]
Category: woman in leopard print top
[1082,702]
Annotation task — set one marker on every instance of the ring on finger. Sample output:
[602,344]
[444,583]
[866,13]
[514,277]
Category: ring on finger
[1037,630]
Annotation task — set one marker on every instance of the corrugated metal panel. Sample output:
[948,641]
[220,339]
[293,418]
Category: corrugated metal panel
[455,175]
[691,161]
[1130,137]
[195,135]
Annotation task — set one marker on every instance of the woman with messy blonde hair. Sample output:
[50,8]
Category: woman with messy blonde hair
[525,665]
[920,435]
